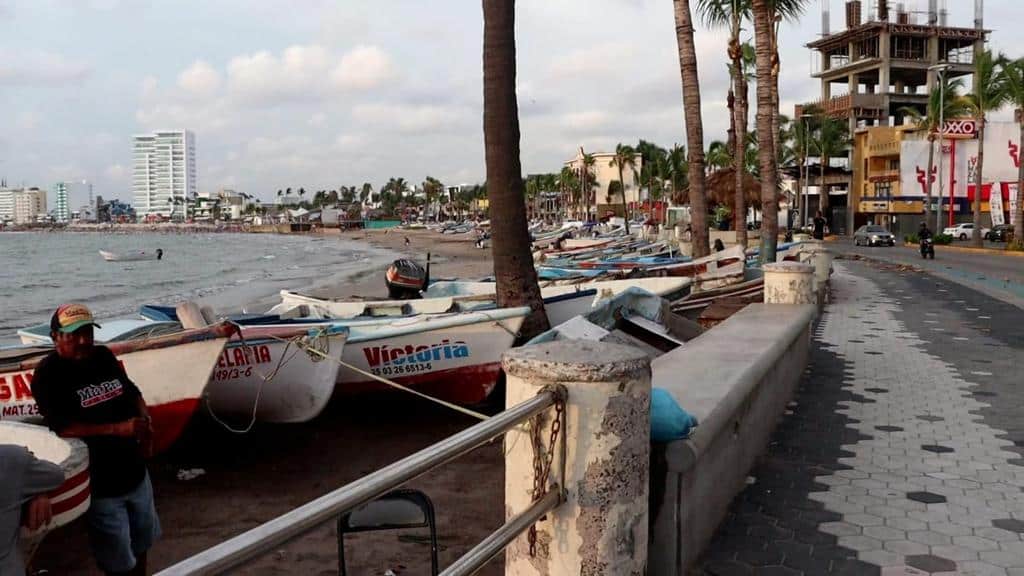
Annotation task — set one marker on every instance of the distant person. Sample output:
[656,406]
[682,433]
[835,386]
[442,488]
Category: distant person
[406,241]
[24,481]
[159,253]
[83,392]
[923,232]
[719,245]
[819,226]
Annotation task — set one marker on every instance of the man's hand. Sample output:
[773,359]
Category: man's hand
[38,513]
[141,429]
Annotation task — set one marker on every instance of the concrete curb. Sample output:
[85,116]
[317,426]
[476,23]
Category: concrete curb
[1004,252]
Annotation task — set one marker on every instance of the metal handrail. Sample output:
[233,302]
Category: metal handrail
[263,538]
[471,562]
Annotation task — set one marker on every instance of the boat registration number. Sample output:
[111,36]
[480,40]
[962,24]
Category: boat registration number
[232,373]
[414,368]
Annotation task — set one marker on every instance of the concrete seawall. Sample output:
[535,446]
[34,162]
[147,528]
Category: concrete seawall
[737,380]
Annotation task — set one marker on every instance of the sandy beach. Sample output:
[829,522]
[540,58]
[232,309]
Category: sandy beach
[249,479]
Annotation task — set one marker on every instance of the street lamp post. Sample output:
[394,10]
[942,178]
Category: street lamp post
[940,70]
[804,171]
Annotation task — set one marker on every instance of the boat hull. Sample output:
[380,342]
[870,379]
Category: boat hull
[171,378]
[298,384]
[458,363]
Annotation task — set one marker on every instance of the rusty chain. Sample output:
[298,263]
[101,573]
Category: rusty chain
[542,463]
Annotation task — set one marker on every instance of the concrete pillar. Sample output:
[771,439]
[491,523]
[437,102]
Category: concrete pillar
[819,256]
[602,526]
[789,283]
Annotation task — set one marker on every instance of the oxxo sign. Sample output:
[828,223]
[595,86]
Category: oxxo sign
[955,129]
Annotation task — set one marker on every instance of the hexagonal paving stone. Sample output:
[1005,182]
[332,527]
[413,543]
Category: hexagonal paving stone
[926,497]
[884,533]
[839,528]
[889,428]
[860,543]
[1009,524]
[930,418]
[864,519]
[975,543]
[930,563]
[905,547]
[936,448]
[930,538]
[876,390]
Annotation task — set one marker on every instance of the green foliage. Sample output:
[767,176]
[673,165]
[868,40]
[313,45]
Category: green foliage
[942,239]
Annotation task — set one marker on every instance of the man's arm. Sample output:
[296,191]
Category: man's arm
[41,476]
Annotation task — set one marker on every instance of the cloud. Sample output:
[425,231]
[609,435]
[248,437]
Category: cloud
[598,60]
[115,172]
[411,118]
[40,68]
[363,67]
[199,79]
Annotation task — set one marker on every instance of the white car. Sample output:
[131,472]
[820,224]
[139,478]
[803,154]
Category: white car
[963,231]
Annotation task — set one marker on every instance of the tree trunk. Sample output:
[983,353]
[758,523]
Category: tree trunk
[694,128]
[976,239]
[823,193]
[765,139]
[740,123]
[1018,218]
[622,191]
[515,275]
[928,182]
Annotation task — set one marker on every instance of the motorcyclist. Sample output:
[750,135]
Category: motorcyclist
[923,232]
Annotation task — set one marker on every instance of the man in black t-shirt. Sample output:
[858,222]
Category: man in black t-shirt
[83,392]
[819,226]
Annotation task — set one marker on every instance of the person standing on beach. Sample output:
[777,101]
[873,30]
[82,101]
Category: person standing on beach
[24,480]
[83,392]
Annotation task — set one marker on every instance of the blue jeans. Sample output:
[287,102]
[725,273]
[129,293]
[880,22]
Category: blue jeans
[123,527]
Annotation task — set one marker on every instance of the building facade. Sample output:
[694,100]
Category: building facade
[62,212]
[602,195]
[6,204]
[891,166]
[29,204]
[164,174]
[884,62]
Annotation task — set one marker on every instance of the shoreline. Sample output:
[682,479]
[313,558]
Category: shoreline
[252,478]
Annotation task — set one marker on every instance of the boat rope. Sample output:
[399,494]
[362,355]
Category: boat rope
[319,342]
[392,383]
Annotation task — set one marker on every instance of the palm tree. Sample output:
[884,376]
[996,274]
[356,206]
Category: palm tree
[801,136]
[945,101]
[280,192]
[515,275]
[694,126]
[988,95]
[568,183]
[676,170]
[762,12]
[1013,77]
[625,158]
[651,171]
[719,157]
[831,140]
[732,13]
[365,192]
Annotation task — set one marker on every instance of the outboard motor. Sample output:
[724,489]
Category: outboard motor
[405,279]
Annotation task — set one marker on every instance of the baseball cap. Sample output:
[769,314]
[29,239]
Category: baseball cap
[71,317]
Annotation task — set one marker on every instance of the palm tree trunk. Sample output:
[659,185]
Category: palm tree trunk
[515,275]
[694,127]
[976,240]
[622,191]
[928,183]
[765,139]
[740,127]
[823,193]
[1018,218]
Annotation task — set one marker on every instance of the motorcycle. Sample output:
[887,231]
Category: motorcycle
[927,248]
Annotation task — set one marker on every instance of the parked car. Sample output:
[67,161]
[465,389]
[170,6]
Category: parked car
[999,233]
[963,231]
[873,235]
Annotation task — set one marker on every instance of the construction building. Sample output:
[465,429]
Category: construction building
[885,60]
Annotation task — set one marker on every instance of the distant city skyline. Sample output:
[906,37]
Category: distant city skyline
[341,93]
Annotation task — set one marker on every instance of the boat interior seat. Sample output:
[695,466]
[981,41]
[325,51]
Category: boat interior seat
[397,510]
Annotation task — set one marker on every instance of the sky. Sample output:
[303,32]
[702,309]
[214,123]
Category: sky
[325,93]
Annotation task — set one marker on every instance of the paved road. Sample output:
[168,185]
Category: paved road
[998,275]
[901,452]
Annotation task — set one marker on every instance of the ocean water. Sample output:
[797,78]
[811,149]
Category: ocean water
[231,272]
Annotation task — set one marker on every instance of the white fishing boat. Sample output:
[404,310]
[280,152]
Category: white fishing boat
[279,373]
[170,370]
[135,256]
[560,302]
[455,357]
[69,500]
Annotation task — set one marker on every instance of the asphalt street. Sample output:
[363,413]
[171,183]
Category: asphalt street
[998,275]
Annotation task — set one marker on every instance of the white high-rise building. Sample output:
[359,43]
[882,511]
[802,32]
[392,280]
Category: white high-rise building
[29,204]
[63,211]
[164,177]
[6,203]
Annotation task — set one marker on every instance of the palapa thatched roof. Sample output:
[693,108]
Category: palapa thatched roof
[720,187]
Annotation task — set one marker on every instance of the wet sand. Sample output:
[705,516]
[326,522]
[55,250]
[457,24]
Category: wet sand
[252,478]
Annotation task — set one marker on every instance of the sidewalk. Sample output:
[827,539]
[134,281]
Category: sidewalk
[899,453]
